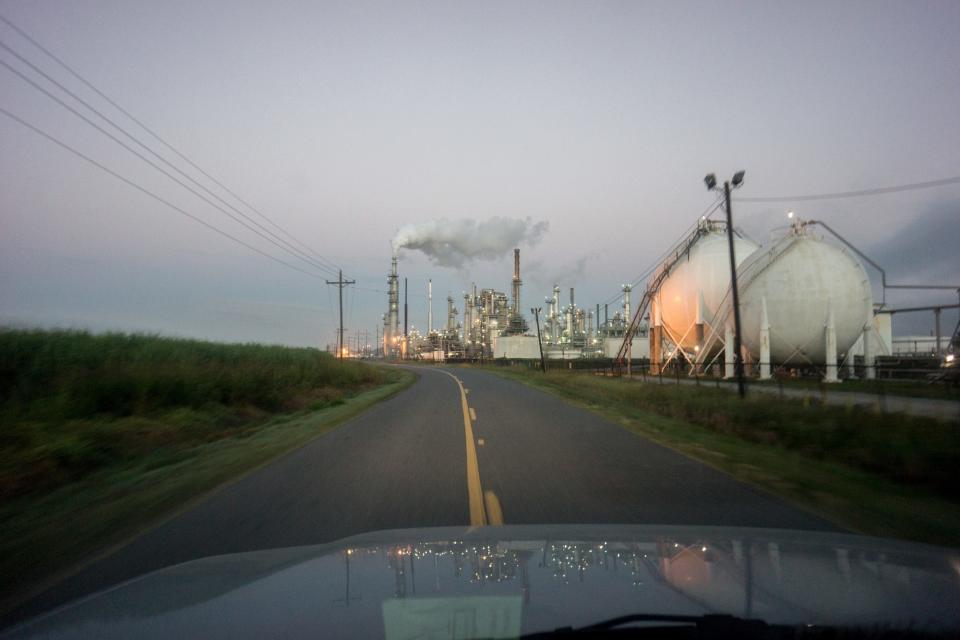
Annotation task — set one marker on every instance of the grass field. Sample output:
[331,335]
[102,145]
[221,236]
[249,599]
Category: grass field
[881,474]
[103,435]
[911,388]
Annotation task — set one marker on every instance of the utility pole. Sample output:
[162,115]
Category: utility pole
[536,315]
[341,283]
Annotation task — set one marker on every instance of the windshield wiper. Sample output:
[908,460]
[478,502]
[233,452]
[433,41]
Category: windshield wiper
[706,626]
[724,626]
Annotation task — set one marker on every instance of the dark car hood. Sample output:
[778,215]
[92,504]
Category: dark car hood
[501,581]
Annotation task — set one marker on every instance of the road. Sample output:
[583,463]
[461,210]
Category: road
[458,447]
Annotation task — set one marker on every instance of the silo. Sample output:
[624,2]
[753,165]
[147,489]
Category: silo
[817,300]
[696,286]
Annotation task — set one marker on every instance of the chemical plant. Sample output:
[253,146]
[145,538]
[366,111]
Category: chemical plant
[806,307]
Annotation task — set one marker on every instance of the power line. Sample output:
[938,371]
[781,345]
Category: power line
[855,194]
[150,162]
[146,191]
[160,139]
[273,238]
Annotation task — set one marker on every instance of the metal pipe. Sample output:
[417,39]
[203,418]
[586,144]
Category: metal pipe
[883,274]
[936,324]
[913,309]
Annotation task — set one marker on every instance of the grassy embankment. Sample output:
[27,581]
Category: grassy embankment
[882,386]
[887,475]
[103,436]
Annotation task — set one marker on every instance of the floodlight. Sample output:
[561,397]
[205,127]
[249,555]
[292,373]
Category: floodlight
[737,178]
[711,181]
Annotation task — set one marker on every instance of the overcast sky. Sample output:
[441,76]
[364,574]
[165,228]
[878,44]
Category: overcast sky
[345,121]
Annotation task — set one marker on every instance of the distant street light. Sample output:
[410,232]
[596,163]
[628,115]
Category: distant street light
[711,181]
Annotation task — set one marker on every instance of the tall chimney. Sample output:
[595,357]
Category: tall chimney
[429,306]
[627,318]
[571,297]
[392,328]
[555,325]
[516,281]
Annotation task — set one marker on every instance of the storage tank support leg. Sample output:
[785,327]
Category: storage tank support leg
[728,358]
[764,341]
[699,330]
[830,335]
[869,359]
[656,337]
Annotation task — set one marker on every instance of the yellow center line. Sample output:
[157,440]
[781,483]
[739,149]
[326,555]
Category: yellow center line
[494,511]
[478,514]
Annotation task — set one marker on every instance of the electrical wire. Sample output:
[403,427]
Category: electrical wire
[146,191]
[160,139]
[273,238]
[855,194]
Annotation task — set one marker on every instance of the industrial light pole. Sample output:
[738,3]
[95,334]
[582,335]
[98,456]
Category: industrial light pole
[711,182]
[536,316]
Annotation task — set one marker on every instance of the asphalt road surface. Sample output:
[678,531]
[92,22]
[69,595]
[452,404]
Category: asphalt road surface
[458,447]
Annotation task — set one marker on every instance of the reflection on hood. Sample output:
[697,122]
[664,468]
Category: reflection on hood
[501,581]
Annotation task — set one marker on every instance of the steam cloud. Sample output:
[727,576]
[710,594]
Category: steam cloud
[454,243]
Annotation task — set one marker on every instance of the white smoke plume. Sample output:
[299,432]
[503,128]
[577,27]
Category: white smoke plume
[454,243]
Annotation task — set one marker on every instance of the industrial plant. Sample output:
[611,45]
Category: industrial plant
[806,307]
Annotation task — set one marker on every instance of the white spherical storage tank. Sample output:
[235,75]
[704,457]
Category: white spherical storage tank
[703,274]
[803,279]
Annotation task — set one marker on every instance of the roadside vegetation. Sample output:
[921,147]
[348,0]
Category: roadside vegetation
[103,435]
[884,474]
[881,386]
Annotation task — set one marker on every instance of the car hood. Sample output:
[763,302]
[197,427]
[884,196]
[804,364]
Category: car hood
[503,581]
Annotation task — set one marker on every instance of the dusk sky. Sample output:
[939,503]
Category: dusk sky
[344,122]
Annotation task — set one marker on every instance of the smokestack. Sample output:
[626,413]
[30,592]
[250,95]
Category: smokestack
[429,306]
[626,304]
[405,290]
[555,325]
[571,297]
[392,327]
[516,281]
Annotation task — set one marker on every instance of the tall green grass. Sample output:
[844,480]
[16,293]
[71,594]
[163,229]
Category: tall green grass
[73,403]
